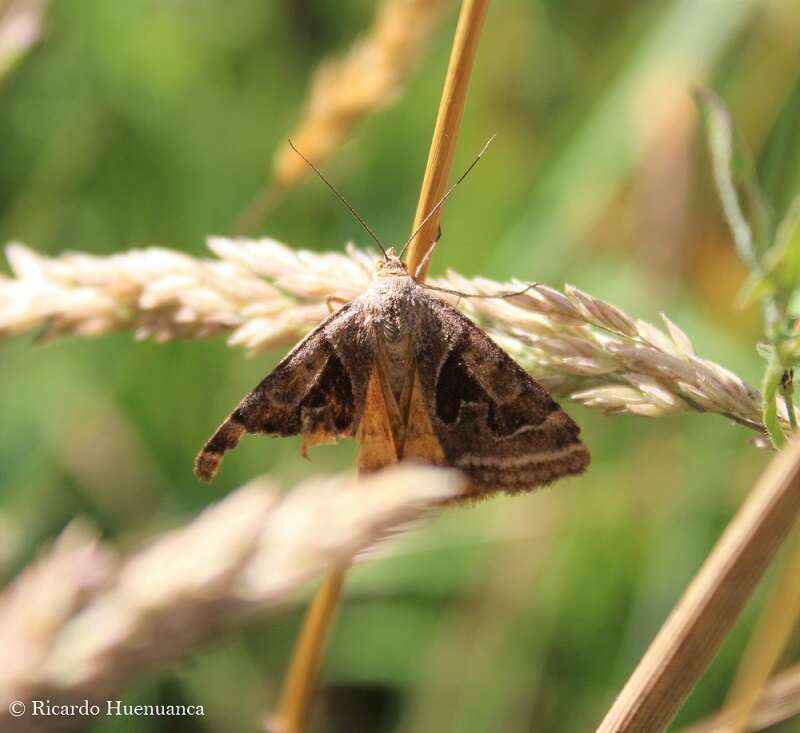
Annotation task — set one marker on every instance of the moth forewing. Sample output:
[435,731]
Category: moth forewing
[316,390]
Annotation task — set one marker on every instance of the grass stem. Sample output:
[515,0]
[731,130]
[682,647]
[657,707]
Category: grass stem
[445,134]
[692,634]
[787,391]
[300,680]
[298,685]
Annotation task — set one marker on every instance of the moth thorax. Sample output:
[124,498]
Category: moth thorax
[394,329]
[398,344]
[396,358]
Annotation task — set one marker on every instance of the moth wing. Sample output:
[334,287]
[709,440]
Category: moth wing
[318,389]
[493,420]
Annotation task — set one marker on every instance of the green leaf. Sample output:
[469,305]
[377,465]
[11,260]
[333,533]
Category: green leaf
[779,157]
[734,169]
[790,350]
[772,383]
[782,262]
[755,288]
[765,351]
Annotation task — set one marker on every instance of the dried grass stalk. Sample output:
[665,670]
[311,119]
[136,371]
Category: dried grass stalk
[80,624]
[263,294]
[375,451]
[445,135]
[690,637]
[779,701]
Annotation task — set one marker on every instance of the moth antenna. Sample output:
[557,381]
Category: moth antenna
[479,295]
[341,198]
[450,190]
[427,258]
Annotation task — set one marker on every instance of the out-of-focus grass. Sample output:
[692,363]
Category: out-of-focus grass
[143,122]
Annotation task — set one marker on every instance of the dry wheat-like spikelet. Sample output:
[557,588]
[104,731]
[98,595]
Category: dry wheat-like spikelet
[265,294]
[368,77]
[43,599]
[589,350]
[79,623]
[159,293]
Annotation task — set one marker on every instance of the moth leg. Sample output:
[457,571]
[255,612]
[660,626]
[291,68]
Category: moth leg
[480,295]
[331,299]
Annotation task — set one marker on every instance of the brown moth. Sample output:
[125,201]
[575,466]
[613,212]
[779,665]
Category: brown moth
[453,396]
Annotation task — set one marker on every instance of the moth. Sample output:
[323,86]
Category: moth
[452,395]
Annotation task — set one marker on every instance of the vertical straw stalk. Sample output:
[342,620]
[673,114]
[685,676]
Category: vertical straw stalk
[448,121]
[376,451]
[692,634]
[298,686]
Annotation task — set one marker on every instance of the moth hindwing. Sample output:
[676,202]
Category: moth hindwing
[453,396]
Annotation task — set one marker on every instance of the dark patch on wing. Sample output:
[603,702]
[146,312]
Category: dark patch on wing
[455,386]
[329,403]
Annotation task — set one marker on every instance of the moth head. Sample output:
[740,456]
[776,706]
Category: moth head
[391,266]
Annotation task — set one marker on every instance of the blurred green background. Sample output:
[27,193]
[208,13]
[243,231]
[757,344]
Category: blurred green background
[139,122]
